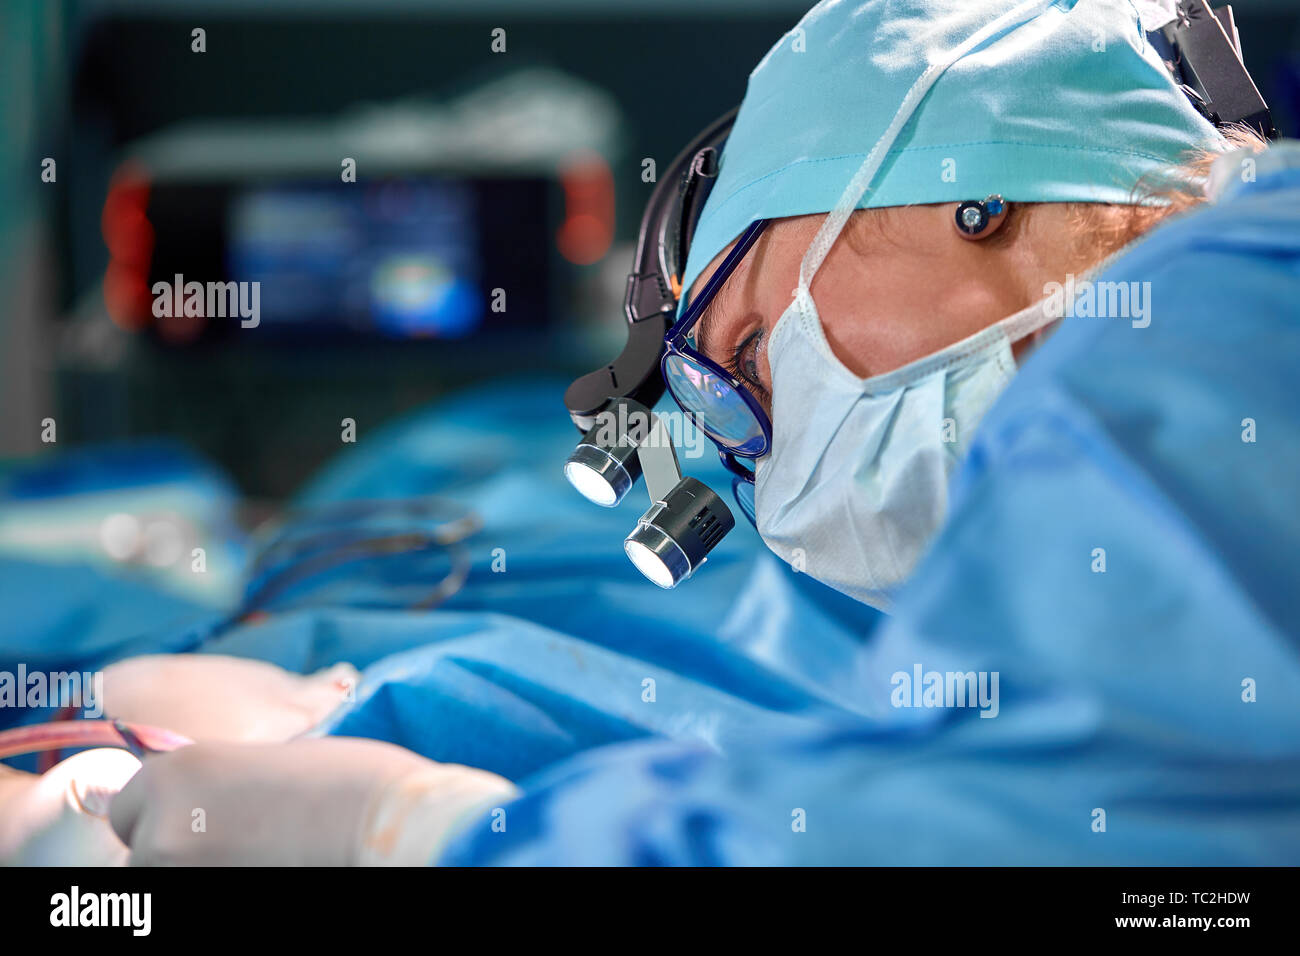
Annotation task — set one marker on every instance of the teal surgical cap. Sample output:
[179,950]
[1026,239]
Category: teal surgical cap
[1068,103]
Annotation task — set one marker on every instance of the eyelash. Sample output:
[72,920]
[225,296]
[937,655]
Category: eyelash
[733,363]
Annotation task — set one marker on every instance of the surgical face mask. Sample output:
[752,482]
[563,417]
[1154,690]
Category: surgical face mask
[856,483]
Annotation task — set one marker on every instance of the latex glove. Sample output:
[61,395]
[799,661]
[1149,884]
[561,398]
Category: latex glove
[330,801]
[209,697]
[60,818]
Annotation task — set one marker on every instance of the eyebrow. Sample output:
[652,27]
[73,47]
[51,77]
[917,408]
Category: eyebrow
[724,298]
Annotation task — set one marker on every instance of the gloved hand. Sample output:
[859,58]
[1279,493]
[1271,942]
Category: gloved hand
[209,697]
[330,801]
[60,817]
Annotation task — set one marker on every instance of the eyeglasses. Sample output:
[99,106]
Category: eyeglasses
[718,403]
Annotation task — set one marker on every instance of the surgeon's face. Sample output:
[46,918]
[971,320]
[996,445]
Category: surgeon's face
[899,284]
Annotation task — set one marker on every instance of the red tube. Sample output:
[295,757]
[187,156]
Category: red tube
[78,734]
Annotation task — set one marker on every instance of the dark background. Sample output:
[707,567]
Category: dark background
[85,80]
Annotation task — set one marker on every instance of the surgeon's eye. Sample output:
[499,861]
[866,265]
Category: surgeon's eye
[743,363]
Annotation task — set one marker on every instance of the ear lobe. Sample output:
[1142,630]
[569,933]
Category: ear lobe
[977,219]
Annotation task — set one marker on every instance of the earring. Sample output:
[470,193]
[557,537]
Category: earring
[974,214]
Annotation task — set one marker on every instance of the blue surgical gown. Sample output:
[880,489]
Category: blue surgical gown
[1122,551]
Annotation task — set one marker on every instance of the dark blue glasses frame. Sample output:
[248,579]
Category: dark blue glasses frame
[676,343]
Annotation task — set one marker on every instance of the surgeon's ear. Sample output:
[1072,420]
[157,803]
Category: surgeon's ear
[979,218]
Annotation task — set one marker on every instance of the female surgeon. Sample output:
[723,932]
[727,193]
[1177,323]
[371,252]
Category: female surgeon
[1025,343]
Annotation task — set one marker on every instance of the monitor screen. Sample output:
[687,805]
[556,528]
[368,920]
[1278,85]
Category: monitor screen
[415,256]
[401,257]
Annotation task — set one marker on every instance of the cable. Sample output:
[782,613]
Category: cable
[80,734]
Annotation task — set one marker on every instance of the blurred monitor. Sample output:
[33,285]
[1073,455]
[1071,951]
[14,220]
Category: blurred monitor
[415,256]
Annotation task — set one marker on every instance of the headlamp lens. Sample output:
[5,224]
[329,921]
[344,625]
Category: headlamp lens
[656,556]
[602,476]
